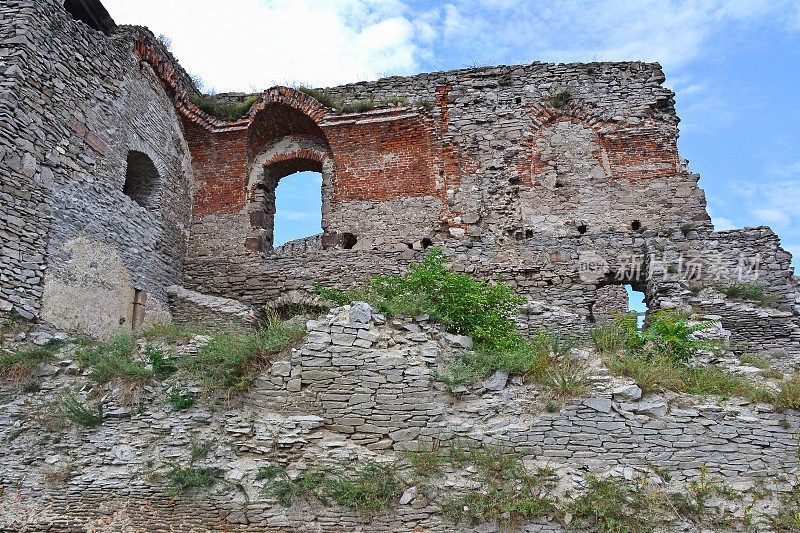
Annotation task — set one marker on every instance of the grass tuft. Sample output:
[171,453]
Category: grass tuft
[180,400]
[749,290]
[561,98]
[182,479]
[20,366]
[114,360]
[368,489]
[223,109]
[231,361]
[74,410]
[613,505]
[508,491]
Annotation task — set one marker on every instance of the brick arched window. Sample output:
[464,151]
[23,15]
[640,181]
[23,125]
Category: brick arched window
[142,182]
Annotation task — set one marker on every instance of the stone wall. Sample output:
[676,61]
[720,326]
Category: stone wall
[83,104]
[561,278]
[462,154]
[361,388]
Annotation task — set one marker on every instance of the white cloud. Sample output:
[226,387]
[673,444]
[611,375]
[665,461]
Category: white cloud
[722,224]
[658,30]
[253,44]
[786,171]
[774,216]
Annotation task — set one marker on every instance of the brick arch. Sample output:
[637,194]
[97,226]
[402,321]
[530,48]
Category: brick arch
[278,159]
[626,151]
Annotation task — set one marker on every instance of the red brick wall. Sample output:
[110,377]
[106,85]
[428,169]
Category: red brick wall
[219,161]
[644,151]
[381,161]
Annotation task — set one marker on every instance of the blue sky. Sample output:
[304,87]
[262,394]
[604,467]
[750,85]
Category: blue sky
[734,67]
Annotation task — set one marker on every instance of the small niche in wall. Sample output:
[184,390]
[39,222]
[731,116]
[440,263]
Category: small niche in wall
[348,240]
[636,225]
[142,182]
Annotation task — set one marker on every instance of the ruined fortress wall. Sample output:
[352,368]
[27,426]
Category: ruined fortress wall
[88,114]
[486,163]
[463,153]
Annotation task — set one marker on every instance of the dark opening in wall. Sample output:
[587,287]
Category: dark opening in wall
[142,182]
[426,242]
[348,240]
[636,225]
[92,13]
[582,229]
[528,233]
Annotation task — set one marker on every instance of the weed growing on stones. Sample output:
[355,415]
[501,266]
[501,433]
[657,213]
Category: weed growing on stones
[561,98]
[749,290]
[509,492]
[114,360]
[222,109]
[368,490]
[180,400]
[482,309]
[788,395]
[19,366]
[232,360]
[615,505]
[426,463]
[74,410]
[162,365]
[182,479]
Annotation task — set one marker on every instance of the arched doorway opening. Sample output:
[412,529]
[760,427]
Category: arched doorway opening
[298,207]
[291,174]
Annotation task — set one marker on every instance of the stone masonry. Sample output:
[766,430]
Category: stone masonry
[121,187]
[360,387]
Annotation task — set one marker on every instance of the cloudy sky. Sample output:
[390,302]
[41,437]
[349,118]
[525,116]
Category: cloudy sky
[735,66]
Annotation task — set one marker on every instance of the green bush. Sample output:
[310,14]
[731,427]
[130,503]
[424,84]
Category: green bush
[485,311]
[180,400]
[231,361]
[671,335]
[162,365]
[477,308]
[749,290]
